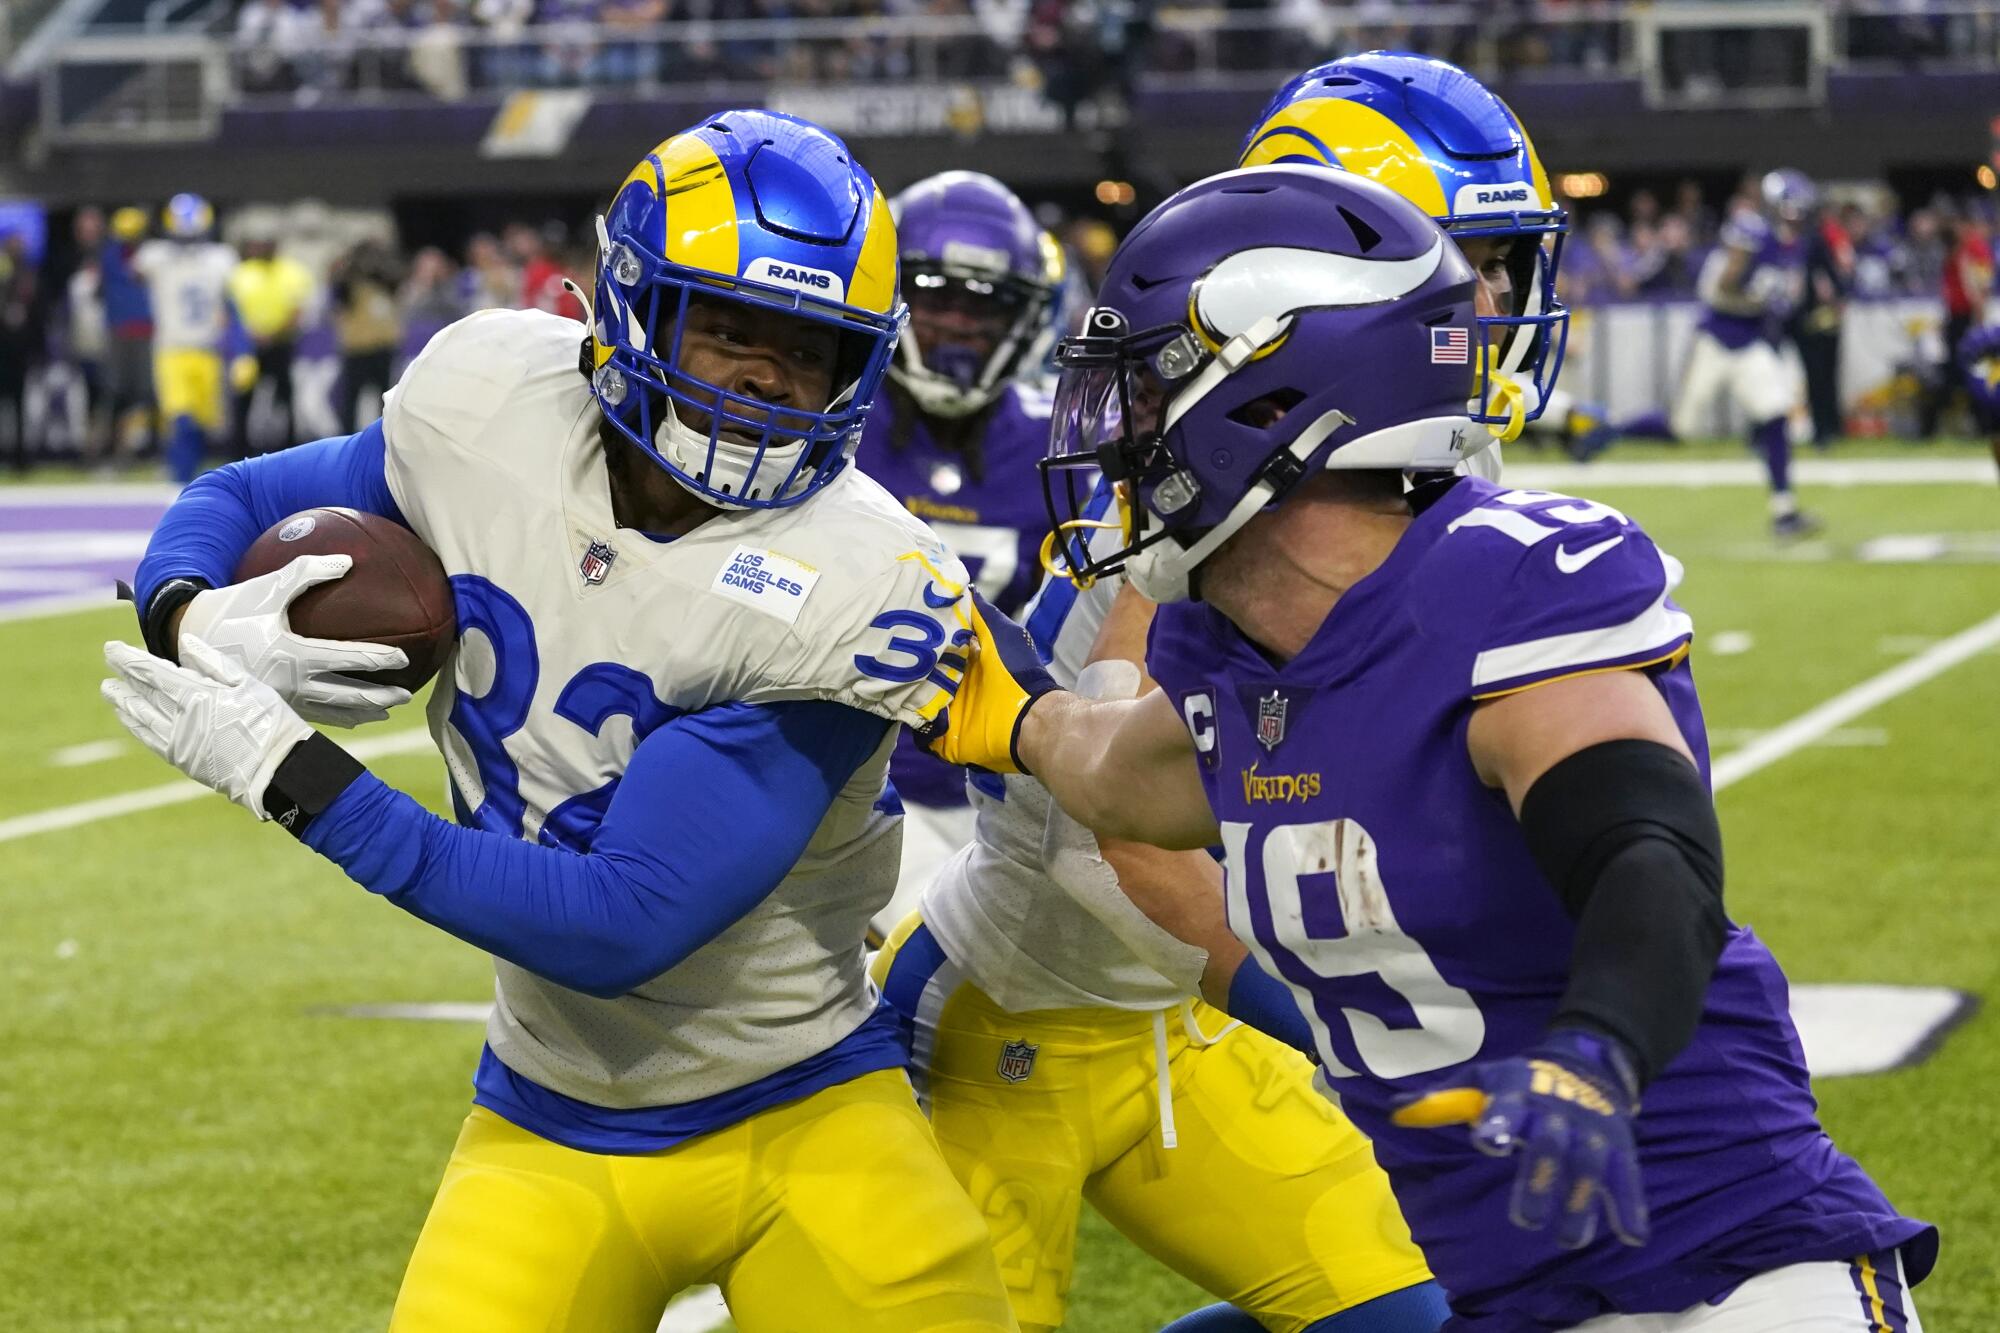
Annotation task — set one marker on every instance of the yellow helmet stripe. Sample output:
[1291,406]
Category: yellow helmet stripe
[1360,138]
[873,286]
[700,204]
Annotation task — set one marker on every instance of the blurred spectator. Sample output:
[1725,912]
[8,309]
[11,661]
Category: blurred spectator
[128,355]
[631,60]
[504,59]
[488,280]
[19,335]
[272,294]
[541,275]
[1928,248]
[430,298]
[367,327]
[1693,210]
[89,335]
[1966,286]
[437,57]
[1816,326]
[373,38]
[270,36]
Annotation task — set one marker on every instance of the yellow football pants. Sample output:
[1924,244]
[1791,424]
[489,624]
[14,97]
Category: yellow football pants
[1268,1198]
[831,1212]
[188,383]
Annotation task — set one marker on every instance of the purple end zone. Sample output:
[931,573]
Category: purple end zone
[60,547]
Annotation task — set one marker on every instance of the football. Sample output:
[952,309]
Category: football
[396,592]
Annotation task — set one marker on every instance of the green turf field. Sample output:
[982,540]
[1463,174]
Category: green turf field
[195,1141]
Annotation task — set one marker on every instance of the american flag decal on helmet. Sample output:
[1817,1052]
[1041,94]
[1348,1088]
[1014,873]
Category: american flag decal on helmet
[1451,345]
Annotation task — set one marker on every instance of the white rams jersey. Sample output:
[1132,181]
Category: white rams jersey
[997,911]
[577,638]
[188,282]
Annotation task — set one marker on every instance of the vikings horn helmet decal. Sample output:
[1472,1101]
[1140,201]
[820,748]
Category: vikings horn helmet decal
[1257,327]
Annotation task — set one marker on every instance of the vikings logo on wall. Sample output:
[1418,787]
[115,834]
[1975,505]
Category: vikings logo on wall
[1271,720]
[1017,1060]
[596,562]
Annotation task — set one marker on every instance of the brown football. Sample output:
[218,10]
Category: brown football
[396,592]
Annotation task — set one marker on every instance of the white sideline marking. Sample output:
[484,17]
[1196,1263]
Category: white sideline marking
[96,493]
[1750,472]
[176,793]
[90,752]
[1844,707]
[62,604]
[1731,642]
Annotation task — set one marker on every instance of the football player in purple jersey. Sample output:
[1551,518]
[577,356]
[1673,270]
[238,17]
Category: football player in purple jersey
[1979,358]
[1750,288]
[1448,737]
[954,431]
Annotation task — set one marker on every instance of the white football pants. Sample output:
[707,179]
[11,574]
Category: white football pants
[1757,379]
[1835,1297]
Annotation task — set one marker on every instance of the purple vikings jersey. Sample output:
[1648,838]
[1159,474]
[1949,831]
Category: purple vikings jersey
[1776,278]
[987,509]
[1370,869]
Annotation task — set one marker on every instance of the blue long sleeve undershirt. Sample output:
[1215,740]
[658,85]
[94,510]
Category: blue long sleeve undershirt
[714,810]
[206,530]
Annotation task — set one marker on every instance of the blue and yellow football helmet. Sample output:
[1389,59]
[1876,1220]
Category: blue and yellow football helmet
[767,210]
[187,217]
[1438,137]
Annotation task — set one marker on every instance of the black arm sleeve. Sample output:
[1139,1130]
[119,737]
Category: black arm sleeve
[1626,832]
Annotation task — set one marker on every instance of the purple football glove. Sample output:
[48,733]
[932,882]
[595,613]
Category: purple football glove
[1566,1107]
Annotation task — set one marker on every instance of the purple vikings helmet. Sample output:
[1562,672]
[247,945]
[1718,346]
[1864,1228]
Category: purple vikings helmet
[981,277]
[1257,327]
[1789,194]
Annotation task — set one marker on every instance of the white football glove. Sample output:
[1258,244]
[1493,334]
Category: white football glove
[209,718]
[246,622]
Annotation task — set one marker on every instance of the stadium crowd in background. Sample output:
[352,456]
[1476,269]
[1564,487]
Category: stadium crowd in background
[1076,50]
[75,340]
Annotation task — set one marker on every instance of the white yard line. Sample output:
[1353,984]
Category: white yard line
[176,793]
[90,752]
[1844,707]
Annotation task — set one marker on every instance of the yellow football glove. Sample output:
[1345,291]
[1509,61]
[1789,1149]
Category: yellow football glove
[981,725]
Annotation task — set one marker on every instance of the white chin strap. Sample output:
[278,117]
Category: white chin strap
[937,395]
[736,469]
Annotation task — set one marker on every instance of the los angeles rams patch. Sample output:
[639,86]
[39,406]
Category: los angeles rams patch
[775,584]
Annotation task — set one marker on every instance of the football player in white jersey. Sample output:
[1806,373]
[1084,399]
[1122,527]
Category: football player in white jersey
[689,628]
[187,275]
[1063,1054]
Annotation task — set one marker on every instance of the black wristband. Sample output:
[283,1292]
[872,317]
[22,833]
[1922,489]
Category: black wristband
[1626,833]
[307,781]
[156,616]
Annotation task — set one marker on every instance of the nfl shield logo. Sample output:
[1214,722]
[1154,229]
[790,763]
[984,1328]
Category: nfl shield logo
[1271,720]
[1017,1060]
[596,562]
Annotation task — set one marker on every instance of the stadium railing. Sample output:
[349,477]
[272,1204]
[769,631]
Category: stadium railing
[122,81]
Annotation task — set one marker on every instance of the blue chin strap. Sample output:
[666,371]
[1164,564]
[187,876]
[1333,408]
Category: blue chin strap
[747,454]
[1531,346]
